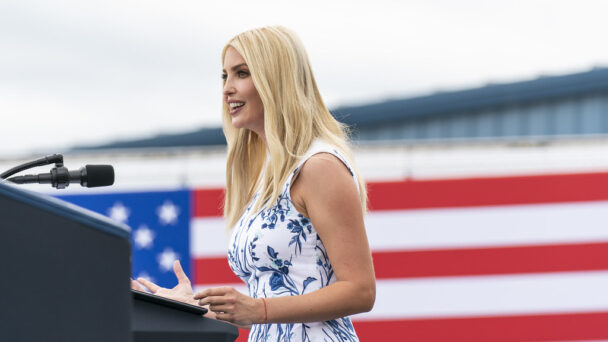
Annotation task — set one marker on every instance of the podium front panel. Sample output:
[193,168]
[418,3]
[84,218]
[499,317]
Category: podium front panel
[65,272]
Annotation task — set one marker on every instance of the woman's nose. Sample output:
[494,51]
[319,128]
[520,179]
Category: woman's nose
[228,88]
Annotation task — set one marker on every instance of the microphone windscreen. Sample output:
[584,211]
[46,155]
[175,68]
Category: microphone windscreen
[99,175]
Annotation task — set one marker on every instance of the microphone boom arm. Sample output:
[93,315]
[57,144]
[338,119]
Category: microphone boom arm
[53,158]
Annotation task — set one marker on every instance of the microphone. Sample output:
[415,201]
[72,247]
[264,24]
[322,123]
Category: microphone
[60,177]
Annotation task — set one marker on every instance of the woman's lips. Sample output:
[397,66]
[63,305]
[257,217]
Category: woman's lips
[234,110]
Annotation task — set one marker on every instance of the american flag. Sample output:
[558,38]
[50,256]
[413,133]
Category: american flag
[516,258]
[160,228]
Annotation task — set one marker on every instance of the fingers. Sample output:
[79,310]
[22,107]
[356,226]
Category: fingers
[215,300]
[149,285]
[214,291]
[222,308]
[136,286]
[210,314]
[228,317]
[216,296]
[179,273]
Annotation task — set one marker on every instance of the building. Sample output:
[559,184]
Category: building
[547,107]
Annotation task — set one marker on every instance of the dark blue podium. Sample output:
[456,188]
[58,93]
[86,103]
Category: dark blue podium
[65,276]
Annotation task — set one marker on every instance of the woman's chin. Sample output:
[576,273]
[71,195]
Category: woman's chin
[240,121]
[237,122]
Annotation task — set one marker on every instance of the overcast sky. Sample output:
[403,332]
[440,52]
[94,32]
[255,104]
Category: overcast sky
[76,72]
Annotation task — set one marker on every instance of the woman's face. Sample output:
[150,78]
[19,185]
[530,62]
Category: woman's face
[243,100]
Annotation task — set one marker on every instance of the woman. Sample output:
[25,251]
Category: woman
[294,201]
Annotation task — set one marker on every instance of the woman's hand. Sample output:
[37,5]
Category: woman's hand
[232,306]
[181,292]
[136,286]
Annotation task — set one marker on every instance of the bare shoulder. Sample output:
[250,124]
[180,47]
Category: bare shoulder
[325,175]
[324,167]
[322,177]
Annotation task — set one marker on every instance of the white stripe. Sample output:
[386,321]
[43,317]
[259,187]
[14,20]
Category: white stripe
[490,295]
[208,237]
[566,292]
[488,226]
[511,225]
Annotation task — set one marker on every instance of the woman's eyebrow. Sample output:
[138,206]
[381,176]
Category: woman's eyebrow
[236,67]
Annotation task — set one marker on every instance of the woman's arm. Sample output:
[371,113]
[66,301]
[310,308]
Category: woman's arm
[329,196]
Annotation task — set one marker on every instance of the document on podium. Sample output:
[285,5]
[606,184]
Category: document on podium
[148,297]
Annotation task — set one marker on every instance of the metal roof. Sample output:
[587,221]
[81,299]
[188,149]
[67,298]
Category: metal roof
[489,96]
[546,88]
[201,137]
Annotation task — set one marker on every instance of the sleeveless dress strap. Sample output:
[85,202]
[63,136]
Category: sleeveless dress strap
[319,146]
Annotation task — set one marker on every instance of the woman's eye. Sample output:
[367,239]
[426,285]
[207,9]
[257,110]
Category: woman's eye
[243,73]
[224,76]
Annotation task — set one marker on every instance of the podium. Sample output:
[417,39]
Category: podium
[65,276]
[156,323]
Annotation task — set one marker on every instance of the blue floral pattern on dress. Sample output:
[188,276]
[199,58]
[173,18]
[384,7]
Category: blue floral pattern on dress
[277,252]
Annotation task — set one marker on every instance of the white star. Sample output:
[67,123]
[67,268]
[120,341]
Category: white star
[119,212]
[143,237]
[167,213]
[166,259]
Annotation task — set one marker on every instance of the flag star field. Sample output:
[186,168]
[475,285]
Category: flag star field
[160,223]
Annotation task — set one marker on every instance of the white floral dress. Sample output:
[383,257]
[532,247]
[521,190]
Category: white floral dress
[277,252]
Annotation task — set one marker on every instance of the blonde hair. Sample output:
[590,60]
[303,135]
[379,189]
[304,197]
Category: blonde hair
[294,116]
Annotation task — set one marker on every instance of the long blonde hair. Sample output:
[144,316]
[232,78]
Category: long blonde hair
[294,116]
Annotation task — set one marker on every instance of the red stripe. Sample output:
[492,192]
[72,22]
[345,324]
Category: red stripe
[208,202]
[486,261]
[469,192]
[453,262]
[488,191]
[243,335]
[560,327]
[213,271]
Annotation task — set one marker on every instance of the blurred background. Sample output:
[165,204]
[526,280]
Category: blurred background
[481,128]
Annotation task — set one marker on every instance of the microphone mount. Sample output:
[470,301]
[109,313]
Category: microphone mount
[57,159]
[60,177]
